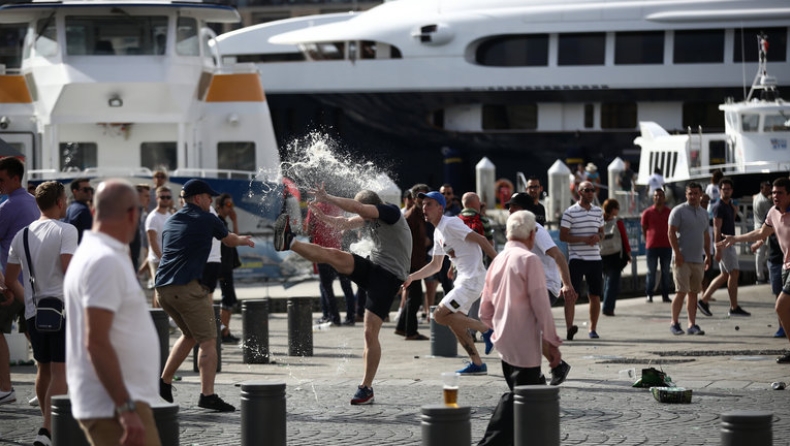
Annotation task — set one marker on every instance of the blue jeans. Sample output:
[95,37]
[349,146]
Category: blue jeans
[653,257]
[611,285]
[775,275]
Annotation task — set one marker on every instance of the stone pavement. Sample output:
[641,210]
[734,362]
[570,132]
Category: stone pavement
[730,368]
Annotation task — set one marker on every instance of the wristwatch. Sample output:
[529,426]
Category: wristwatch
[128,406]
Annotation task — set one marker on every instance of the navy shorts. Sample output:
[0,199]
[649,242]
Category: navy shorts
[591,270]
[47,347]
[382,286]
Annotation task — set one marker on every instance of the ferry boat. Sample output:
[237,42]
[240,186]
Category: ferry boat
[120,88]
[753,147]
[421,84]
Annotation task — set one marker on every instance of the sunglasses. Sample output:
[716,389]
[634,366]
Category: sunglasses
[587,190]
[166,197]
[87,189]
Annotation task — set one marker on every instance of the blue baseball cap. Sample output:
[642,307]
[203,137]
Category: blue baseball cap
[435,195]
[197,187]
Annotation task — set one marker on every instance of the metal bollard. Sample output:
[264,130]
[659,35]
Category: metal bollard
[255,326]
[536,413]
[195,350]
[746,428]
[161,322]
[443,341]
[166,418]
[263,413]
[442,425]
[65,429]
[300,326]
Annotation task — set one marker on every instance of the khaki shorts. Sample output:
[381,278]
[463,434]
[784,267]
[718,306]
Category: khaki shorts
[191,309]
[108,431]
[688,277]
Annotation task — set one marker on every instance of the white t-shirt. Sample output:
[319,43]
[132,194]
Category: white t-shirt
[215,256]
[449,238]
[101,276]
[155,222]
[543,243]
[48,239]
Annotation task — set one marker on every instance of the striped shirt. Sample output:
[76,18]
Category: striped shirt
[582,223]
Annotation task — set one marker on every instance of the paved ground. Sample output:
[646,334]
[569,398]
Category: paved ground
[730,368]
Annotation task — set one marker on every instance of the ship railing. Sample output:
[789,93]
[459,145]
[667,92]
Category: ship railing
[92,172]
[214,173]
[750,167]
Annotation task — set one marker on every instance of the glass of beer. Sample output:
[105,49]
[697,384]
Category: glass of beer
[450,388]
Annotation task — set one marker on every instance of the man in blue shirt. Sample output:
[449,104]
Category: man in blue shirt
[186,243]
[78,212]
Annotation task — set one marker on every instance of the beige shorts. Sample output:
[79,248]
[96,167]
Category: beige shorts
[101,431]
[688,277]
[191,309]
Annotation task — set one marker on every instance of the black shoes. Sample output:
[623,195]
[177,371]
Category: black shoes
[282,233]
[230,339]
[165,391]
[572,332]
[784,359]
[559,373]
[215,403]
[704,308]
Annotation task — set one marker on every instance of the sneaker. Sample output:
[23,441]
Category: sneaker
[559,373]
[487,340]
[417,337]
[214,402]
[165,391]
[666,299]
[43,438]
[675,329]
[593,334]
[780,333]
[649,299]
[542,379]
[349,322]
[282,233]
[7,397]
[363,395]
[704,308]
[33,402]
[472,369]
[738,311]
[230,339]
[784,359]
[695,330]
[571,332]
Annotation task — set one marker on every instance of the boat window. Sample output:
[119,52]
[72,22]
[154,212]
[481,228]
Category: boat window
[158,155]
[581,49]
[187,42]
[76,156]
[776,123]
[115,35]
[750,123]
[268,57]
[705,114]
[510,117]
[325,50]
[523,50]
[12,38]
[367,49]
[46,39]
[699,46]
[618,115]
[745,48]
[643,47]
[589,116]
[236,156]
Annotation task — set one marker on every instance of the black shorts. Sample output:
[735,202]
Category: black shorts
[210,276]
[47,347]
[382,286]
[592,270]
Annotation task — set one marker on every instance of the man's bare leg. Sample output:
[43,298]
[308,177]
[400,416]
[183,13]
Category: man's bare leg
[691,308]
[341,261]
[732,288]
[783,311]
[677,305]
[715,284]
[372,352]
[459,324]
[207,365]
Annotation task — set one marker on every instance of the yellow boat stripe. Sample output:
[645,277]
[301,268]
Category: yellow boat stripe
[239,87]
[13,90]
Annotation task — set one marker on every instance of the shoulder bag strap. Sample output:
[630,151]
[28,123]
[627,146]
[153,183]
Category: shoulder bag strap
[30,267]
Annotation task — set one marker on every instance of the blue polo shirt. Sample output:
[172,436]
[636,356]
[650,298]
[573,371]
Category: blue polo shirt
[186,243]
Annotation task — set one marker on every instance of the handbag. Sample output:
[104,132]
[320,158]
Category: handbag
[49,310]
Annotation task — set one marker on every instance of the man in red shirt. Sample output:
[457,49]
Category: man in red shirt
[655,228]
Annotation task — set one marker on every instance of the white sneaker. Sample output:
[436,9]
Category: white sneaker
[7,397]
[33,401]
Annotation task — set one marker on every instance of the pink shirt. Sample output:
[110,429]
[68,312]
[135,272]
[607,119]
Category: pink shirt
[781,224]
[515,304]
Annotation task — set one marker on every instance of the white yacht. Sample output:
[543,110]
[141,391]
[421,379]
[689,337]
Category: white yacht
[422,84]
[120,88]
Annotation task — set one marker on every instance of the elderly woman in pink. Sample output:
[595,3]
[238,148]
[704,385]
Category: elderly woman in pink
[516,306]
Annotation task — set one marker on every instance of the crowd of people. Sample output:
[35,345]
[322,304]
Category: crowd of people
[89,256]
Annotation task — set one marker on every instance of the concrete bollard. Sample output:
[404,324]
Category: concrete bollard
[195,353]
[166,418]
[255,326]
[65,429]
[443,341]
[442,425]
[263,413]
[746,428]
[161,322]
[300,326]
[536,415]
